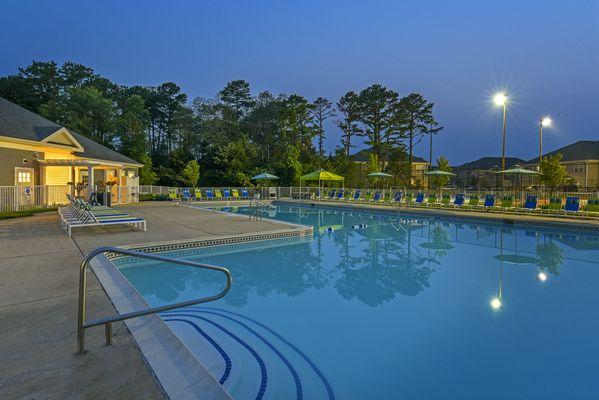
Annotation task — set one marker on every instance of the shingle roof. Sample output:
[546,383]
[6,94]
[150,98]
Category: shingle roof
[581,150]
[362,155]
[20,123]
[490,162]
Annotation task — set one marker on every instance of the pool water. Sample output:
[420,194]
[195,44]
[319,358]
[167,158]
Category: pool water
[384,307]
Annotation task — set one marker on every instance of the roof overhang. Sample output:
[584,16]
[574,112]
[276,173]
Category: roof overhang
[83,162]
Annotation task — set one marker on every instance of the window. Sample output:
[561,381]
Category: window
[24,177]
[578,168]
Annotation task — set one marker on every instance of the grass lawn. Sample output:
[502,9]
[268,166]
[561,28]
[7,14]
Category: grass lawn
[24,213]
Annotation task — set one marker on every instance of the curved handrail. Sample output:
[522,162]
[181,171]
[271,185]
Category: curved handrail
[81,321]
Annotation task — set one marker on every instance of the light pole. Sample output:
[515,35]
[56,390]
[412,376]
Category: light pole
[501,99]
[543,122]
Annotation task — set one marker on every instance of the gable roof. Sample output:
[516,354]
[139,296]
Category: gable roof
[490,162]
[362,155]
[19,123]
[577,151]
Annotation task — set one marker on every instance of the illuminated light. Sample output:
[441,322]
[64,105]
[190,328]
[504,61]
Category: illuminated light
[496,304]
[500,99]
[546,121]
[542,276]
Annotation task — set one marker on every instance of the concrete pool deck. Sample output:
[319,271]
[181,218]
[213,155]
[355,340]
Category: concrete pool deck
[38,302]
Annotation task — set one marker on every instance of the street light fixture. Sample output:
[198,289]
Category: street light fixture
[501,99]
[543,122]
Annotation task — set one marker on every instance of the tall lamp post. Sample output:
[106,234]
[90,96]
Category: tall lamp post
[501,100]
[543,122]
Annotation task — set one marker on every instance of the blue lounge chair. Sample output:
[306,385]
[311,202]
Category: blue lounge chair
[459,200]
[186,195]
[209,194]
[531,203]
[332,194]
[572,204]
[245,194]
[340,194]
[397,197]
[357,194]
[377,197]
[489,201]
[419,198]
[227,194]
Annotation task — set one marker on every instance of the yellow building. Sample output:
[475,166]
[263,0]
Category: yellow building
[39,159]
[419,167]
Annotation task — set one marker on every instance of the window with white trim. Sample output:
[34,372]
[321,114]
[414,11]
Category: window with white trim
[24,177]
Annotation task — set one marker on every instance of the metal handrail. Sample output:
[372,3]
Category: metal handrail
[81,321]
[259,209]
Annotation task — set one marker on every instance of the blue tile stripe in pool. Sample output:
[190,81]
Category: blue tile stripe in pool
[254,353]
[312,365]
[223,354]
[296,378]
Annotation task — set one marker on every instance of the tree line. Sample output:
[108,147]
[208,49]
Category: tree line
[232,136]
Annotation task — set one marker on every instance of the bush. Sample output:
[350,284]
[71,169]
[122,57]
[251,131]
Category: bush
[153,197]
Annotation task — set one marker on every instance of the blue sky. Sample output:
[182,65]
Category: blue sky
[545,54]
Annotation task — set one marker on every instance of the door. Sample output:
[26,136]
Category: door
[24,186]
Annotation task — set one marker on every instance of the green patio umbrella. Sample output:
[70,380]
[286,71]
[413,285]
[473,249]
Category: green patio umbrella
[380,175]
[265,176]
[321,175]
[516,170]
[439,173]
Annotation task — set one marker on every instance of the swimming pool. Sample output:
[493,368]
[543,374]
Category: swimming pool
[380,306]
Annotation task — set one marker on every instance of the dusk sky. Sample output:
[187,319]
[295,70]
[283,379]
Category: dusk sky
[544,54]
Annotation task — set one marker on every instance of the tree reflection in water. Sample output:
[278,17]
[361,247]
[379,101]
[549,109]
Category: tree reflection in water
[372,265]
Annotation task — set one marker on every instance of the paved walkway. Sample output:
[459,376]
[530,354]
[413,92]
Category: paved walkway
[38,303]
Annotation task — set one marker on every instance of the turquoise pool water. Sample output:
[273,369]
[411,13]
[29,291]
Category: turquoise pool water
[385,307]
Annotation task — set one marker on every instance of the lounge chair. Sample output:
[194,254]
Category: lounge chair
[227,194]
[340,194]
[530,204]
[445,200]
[555,205]
[489,201]
[409,199]
[332,193]
[459,200]
[356,196]
[218,194]
[186,195]
[245,194]
[376,198]
[209,194]
[572,204]
[507,203]
[396,198]
[368,196]
[197,194]
[172,194]
[592,206]
[432,200]
[473,201]
[235,194]
[419,199]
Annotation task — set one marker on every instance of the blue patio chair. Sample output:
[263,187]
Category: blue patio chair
[332,194]
[419,198]
[377,197]
[209,194]
[397,197]
[186,195]
[531,203]
[489,201]
[572,204]
[357,195]
[459,200]
[340,194]
[227,194]
[245,194]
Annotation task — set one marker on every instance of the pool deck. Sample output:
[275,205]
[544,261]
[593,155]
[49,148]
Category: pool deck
[38,302]
[562,222]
